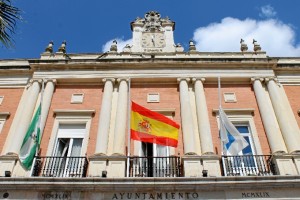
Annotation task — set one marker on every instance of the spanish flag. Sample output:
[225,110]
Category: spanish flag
[152,127]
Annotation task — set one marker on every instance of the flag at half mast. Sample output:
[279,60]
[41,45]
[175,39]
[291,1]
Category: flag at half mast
[31,141]
[230,136]
[152,127]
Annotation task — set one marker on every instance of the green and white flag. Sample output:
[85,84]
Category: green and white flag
[31,141]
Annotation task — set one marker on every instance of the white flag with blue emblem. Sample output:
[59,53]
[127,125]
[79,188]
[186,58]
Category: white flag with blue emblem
[230,136]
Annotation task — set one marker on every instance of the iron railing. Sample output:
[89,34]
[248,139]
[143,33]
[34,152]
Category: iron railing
[50,166]
[155,166]
[248,165]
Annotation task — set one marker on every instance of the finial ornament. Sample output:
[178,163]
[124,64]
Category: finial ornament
[49,48]
[256,46]
[179,48]
[62,48]
[192,46]
[244,46]
[114,46]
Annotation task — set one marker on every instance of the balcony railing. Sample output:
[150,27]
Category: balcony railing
[248,165]
[60,166]
[155,166]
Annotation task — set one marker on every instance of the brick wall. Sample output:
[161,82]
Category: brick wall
[245,99]
[293,94]
[169,99]
[62,100]
[12,97]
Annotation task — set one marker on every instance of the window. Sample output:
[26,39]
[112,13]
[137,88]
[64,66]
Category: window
[245,132]
[68,149]
[3,117]
[155,160]
[68,144]
[246,162]
[1,99]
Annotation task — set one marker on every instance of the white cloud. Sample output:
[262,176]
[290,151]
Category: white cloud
[267,11]
[275,37]
[120,43]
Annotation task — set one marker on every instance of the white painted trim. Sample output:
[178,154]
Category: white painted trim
[70,117]
[243,116]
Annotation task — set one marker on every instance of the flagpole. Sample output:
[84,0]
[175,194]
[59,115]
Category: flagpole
[220,106]
[40,122]
[128,127]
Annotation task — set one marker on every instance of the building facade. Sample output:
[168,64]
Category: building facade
[86,151]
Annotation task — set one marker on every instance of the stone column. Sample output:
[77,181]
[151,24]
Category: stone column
[268,117]
[46,101]
[27,112]
[202,117]
[121,116]
[104,119]
[15,123]
[8,160]
[285,116]
[186,117]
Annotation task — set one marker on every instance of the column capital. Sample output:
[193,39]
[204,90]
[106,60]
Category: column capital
[267,79]
[198,79]
[113,80]
[53,80]
[261,79]
[183,79]
[33,80]
[122,79]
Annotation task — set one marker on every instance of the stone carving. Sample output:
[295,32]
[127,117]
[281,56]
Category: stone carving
[244,46]
[192,46]
[179,48]
[152,21]
[127,48]
[49,48]
[256,46]
[62,48]
[114,46]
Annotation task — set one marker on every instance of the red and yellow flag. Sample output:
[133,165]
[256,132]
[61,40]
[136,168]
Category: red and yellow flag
[152,127]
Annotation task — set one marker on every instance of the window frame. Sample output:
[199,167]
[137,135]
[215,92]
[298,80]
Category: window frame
[244,117]
[70,117]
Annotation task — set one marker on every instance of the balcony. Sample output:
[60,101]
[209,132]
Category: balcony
[49,166]
[155,166]
[248,165]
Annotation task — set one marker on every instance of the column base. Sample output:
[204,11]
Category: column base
[284,165]
[117,167]
[192,166]
[107,166]
[7,164]
[98,166]
[211,163]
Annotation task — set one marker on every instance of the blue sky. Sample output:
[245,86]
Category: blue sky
[214,25]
